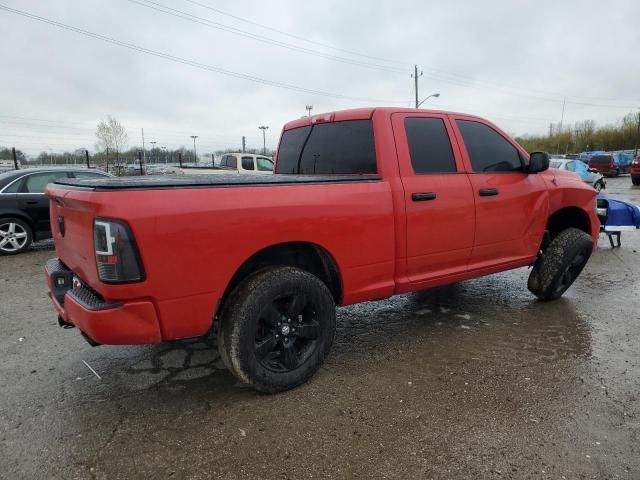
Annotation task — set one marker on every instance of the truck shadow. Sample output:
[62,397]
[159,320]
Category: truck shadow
[476,319]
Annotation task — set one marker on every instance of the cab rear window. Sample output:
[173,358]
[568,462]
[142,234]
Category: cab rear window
[328,148]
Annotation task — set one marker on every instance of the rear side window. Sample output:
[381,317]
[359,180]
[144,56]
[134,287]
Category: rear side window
[232,161]
[37,182]
[488,150]
[328,148]
[247,163]
[429,145]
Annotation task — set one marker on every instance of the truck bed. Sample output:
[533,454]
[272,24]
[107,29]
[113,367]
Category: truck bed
[203,181]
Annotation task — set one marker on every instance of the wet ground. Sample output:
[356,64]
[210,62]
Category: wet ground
[475,380]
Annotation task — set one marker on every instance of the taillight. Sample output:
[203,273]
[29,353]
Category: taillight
[117,256]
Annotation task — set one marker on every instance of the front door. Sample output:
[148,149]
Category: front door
[511,205]
[438,198]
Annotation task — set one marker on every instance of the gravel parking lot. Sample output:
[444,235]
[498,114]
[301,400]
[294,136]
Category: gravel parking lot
[474,380]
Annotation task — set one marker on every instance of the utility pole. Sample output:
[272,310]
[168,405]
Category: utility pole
[551,130]
[637,135]
[107,159]
[144,152]
[564,101]
[180,159]
[140,155]
[153,156]
[195,156]
[415,79]
[15,158]
[244,144]
[86,156]
[264,141]
[309,108]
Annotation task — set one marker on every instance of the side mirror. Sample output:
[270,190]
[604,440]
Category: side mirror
[538,162]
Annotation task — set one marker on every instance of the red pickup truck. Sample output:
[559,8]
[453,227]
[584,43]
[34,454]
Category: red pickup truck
[364,204]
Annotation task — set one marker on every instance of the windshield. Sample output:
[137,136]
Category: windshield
[555,164]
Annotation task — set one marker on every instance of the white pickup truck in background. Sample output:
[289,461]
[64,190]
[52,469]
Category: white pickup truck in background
[241,163]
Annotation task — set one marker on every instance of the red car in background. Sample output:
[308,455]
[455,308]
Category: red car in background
[604,164]
[635,171]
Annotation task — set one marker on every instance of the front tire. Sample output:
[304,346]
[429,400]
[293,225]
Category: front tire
[15,236]
[276,328]
[599,186]
[635,180]
[560,264]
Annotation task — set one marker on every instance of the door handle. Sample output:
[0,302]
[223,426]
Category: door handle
[423,196]
[32,202]
[488,192]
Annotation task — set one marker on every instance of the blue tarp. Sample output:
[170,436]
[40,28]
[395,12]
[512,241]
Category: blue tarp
[622,159]
[620,215]
[585,156]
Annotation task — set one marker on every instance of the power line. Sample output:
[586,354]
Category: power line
[436,73]
[191,63]
[297,37]
[208,23]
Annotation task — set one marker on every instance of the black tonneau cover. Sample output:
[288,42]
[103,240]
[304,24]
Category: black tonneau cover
[214,180]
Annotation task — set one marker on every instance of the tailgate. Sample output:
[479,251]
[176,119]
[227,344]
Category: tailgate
[72,212]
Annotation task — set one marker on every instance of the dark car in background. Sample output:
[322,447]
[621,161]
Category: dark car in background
[635,171]
[24,208]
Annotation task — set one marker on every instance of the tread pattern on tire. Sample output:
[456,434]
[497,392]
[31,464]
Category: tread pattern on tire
[560,252]
[233,321]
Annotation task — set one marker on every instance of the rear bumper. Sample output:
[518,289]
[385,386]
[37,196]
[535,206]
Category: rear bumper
[112,323]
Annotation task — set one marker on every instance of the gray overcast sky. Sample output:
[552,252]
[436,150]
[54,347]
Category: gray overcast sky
[509,61]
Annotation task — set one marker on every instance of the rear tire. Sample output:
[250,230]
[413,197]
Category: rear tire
[15,236]
[276,328]
[560,264]
[635,180]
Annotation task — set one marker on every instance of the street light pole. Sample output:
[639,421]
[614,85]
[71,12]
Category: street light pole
[309,108]
[153,156]
[165,154]
[434,95]
[264,138]
[415,76]
[195,157]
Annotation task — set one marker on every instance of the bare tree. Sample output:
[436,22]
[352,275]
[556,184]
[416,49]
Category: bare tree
[111,135]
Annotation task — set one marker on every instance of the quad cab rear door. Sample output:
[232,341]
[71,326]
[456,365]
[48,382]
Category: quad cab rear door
[439,203]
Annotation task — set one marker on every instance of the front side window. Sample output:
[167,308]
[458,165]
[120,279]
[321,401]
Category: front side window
[345,147]
[571,166]
[429,146]
[36,183]
[264,164]
[488,150]
[580,168]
